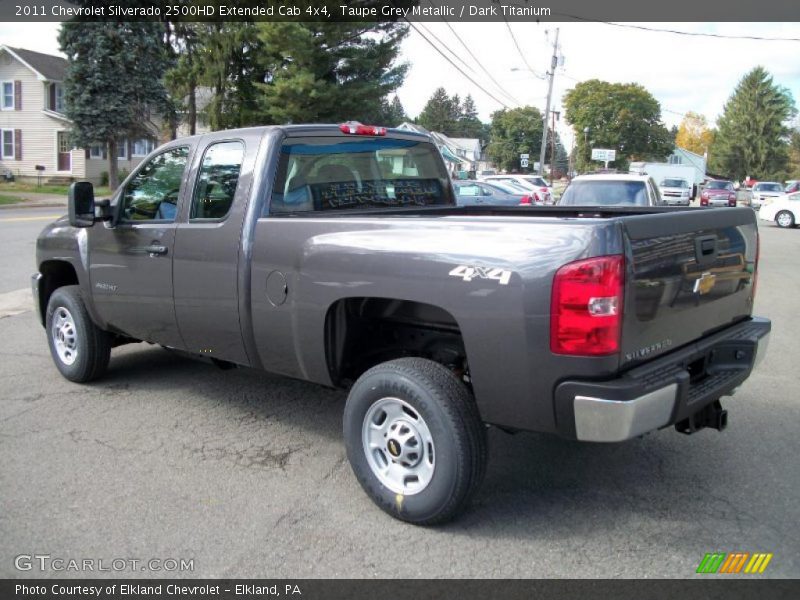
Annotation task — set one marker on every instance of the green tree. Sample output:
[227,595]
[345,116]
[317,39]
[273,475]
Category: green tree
[694,134]
[469,125]
[440,113]
[753,132]
[393,113]
[513,132]
[113,82]
[620,116]
[228,56]
[329,72]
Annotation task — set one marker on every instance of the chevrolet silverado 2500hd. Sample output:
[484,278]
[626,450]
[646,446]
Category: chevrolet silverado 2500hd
[337,255]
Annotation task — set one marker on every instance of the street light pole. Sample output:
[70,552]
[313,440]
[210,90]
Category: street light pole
[552,74]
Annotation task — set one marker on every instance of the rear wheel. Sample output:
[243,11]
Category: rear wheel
[415,440]
[784,219]
[79,348]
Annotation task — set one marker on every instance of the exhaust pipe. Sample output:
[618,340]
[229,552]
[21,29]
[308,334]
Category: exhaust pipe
[713,416]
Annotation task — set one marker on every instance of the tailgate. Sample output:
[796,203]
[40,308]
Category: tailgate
[691,273]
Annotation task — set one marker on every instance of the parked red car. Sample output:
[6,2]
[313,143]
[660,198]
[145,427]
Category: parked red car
[718,193]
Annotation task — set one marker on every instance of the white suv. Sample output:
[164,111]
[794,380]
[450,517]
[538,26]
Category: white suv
[611,190]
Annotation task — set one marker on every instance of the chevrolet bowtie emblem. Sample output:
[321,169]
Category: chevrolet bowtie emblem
[704,283]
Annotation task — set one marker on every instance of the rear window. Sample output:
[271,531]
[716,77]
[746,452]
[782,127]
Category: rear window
[674,183]
[335,174]
[719,185]
[769,187]
[605,193]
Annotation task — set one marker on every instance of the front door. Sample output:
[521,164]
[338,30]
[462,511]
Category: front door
[131,263]
[64,154]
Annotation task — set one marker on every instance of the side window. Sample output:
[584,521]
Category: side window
[217,180]
[152,195]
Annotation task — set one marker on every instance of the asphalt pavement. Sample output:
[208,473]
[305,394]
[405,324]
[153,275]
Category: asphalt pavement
[245,474]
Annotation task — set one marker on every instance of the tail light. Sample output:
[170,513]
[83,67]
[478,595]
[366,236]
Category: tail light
[525,201]
[704,195]
[586,309]
[703,201]
[356,128]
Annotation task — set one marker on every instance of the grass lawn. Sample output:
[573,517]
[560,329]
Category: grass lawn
[17,186]
[10,199]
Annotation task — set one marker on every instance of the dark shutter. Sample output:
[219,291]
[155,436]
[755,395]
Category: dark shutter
[52,96]
[17,144]
[130,149]
[17,95]
[88,155]
[105,151]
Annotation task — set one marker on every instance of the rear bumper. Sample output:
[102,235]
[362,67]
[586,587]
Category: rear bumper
[664,391]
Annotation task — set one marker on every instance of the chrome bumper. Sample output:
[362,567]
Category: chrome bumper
[612,420]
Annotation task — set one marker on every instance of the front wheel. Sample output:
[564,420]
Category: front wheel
[415,440]
[784,219]
[79,348]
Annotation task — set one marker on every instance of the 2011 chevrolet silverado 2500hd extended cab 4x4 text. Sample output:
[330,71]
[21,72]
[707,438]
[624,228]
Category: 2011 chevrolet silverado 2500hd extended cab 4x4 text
[337,255]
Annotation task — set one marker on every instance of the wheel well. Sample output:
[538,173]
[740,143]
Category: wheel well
[363,332]
[55,274]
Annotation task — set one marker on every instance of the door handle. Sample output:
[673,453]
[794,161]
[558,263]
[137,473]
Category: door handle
[155,249]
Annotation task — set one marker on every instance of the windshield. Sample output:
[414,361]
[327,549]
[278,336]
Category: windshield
[536,181]
[719,185]
[674,183]
[605,193]
[333,174]
[769,187]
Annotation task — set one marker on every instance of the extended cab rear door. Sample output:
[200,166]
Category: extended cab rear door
[208,242]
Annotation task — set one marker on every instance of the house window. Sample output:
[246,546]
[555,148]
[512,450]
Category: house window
[675,159]
[143,147]
[7,99]
[122,149]
[59,106]
[8,143]
[96,151]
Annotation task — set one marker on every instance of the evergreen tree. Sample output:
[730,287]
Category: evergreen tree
[438,114]
[329,72]
[393,113]
[113,82]
[753,131]
[469,125]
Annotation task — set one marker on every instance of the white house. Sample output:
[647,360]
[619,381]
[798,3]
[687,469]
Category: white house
[463,154]
[35,131]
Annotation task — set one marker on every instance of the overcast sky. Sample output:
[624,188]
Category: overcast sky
[684,73]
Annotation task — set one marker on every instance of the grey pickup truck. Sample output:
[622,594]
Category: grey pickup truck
[337,255]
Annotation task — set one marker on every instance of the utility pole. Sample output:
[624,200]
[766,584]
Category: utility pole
[552,74]
[555,114]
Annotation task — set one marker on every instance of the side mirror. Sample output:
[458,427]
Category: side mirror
[80,203]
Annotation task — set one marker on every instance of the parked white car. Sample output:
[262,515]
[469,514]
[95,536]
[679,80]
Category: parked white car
[533,183]
[783,210]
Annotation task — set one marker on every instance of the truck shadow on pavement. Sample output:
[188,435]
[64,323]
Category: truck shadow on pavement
[536,485]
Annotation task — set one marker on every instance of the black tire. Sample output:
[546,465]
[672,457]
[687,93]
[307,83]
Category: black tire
[89,347]
[449,412]
[788,224]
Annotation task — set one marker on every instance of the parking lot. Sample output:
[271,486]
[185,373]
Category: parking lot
[245,473]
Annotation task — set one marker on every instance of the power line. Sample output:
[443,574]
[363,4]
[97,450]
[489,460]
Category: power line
[722,36]
[446,47]
[475,58]
[521,54]
[459,69]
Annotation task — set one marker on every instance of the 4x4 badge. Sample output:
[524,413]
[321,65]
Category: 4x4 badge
[704,283]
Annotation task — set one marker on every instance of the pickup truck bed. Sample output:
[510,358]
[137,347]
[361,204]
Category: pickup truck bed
[341,259]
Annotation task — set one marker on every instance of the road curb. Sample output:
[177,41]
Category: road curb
[34,205]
